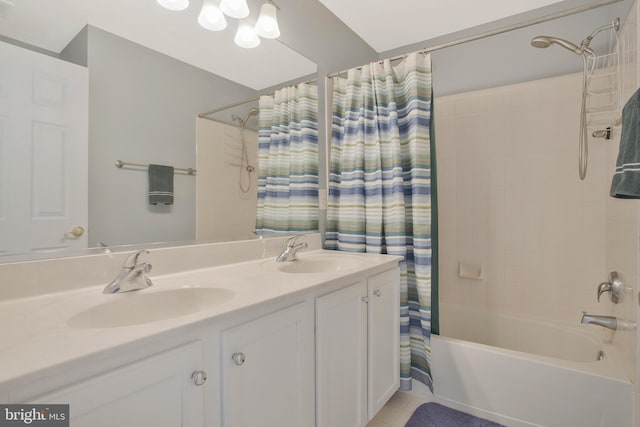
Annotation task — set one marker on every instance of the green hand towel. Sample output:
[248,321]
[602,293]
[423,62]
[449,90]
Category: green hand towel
[160,184]
[626,180]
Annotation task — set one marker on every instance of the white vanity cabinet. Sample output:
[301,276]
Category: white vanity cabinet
[267,370]
[299,349]
[358,350]
[158,391]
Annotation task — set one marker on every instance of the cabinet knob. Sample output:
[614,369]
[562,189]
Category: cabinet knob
[377,292]
[238,358]
[199,377]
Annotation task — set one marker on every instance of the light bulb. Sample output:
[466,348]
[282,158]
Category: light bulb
[267,25]
[235,8]
[246,36]
[211,17]
[174,4]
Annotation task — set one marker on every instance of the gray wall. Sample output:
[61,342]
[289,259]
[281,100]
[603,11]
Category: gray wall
[143,106]
[77,50]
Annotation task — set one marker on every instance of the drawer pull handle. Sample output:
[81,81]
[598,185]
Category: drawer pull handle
[377,292]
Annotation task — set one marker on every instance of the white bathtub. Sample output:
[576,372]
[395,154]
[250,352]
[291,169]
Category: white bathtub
[526,372]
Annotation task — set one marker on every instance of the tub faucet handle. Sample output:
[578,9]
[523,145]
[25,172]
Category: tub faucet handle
[602,288]
[613,286]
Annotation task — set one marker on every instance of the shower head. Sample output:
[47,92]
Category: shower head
[252,112]
[546,41]
[241,122]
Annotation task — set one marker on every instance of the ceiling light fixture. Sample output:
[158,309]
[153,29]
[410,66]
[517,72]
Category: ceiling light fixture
[174,4]
[211,17]
[267,25]
[235,8]
[246,36]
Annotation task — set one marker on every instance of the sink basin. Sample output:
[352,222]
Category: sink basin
[319,263]
[139,307]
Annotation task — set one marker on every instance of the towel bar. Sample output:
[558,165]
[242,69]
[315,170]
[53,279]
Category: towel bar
[120,164]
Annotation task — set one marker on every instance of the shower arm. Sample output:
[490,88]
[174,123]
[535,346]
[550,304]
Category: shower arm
[584,46]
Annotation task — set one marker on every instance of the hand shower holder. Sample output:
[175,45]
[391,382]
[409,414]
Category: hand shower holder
[603,87]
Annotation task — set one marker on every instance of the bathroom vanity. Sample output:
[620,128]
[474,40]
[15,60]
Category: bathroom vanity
[300,343]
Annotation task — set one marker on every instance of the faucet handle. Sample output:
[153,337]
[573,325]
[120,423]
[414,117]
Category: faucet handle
[613,286]
[602,288]
[132,260]
[291,241]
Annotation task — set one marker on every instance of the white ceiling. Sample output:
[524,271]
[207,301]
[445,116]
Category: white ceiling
[387,25]
[51,25]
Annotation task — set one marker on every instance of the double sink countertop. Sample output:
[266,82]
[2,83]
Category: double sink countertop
[44,331]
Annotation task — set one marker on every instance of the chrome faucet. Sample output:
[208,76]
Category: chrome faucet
[291,249]
[609,322]
[131,277]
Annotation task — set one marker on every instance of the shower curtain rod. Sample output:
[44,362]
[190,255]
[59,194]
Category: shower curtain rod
[217,110]
[497,31]
[257,98]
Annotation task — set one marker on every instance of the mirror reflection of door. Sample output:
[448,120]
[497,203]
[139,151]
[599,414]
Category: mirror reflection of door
[43,152]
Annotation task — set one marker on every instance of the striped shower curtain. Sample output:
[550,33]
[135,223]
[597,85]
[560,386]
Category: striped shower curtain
[288,160]
[380,195]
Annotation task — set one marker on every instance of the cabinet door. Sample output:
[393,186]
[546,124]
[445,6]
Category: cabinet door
[384,339]
[267,369]
[157,391]
[341,346]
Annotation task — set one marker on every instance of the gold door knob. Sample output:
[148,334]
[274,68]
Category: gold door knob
[75,233]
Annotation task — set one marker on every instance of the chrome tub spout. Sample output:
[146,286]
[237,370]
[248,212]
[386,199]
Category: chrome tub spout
[608,322]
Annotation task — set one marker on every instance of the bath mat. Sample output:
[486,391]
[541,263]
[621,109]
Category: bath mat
[436,415]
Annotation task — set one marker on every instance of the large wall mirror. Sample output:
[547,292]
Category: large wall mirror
[146,74]
[133,79]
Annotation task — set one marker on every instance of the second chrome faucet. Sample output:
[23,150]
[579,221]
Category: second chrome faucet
[291,249]
[132,277]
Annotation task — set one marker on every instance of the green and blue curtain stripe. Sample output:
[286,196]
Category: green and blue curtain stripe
[288,160]
[380,197]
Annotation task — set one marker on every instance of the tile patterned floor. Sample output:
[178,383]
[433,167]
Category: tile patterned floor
[398,410]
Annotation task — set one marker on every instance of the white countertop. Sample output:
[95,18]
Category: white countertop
[36,334]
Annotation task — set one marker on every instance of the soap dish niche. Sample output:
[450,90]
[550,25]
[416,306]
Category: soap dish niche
[469,270]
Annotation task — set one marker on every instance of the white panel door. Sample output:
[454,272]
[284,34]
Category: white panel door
[341,365]
[384,338]
[268,371]
[43,152]
[157,391]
